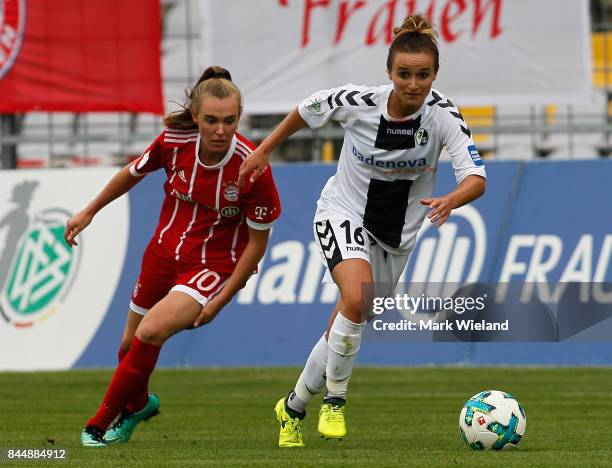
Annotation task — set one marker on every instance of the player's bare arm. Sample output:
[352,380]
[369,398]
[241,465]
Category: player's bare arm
[469,189]
[259,159]
[253,253]
[120,184]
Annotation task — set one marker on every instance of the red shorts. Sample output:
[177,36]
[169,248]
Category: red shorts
[160,273]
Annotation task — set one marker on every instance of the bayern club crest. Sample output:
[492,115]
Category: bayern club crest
[12,25]
[230,192]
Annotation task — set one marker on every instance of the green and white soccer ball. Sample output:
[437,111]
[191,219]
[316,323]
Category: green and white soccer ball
[492,420]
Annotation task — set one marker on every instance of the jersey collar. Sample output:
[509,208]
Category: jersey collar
[221,163]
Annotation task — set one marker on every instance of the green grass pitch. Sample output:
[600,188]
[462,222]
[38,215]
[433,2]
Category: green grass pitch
[396,417]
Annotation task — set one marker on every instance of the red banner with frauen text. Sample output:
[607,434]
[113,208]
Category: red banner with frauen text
[80,56]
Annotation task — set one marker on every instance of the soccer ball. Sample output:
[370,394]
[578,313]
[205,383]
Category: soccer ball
[492,420]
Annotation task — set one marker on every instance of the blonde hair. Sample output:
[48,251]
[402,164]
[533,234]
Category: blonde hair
[416,34]
[215,81]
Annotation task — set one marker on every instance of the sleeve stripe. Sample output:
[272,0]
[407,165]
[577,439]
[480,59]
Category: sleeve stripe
[259,226]
[176,140]
[474,171]
[134,172]
[180,135]
[241,145]
[241,152]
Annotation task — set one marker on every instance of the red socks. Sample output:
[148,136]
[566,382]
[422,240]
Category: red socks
[139,402]
[129,383]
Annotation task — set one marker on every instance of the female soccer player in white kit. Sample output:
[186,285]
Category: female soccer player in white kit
[370,211]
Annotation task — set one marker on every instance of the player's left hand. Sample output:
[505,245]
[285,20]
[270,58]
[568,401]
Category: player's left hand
[209,312]
[441,208]
[253,166]
[75,225]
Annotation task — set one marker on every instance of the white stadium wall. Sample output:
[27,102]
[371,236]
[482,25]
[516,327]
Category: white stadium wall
[507,52]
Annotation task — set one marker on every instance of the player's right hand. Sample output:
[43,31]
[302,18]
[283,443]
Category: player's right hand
[75,225]
[254,166]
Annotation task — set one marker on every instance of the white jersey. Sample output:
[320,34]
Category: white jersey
[387,165]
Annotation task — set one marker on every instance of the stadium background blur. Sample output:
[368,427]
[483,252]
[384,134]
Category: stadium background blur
[548,195]
[551,132]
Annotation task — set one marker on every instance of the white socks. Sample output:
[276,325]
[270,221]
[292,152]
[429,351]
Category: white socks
[343,346]
[312,378]
[330,362]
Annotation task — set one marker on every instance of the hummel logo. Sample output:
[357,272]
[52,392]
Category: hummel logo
[329,244]
[327,239]
[181,175]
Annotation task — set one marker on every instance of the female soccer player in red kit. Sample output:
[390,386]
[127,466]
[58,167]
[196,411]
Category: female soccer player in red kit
[209,240]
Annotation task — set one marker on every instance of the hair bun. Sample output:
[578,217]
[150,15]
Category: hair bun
[215,72]
[416,24]
[225,75]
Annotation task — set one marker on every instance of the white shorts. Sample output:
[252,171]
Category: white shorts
[340,239]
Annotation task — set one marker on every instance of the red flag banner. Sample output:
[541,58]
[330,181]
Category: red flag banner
[80,56]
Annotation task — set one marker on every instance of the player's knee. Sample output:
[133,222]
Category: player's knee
[351,303]
[356,305]
[150,334]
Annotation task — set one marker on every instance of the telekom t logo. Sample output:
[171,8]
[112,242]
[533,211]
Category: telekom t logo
[260,211]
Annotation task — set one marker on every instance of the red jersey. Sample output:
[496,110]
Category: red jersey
[204,216]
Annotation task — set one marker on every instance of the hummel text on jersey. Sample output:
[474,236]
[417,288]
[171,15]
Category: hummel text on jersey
[421,162]
[400,131]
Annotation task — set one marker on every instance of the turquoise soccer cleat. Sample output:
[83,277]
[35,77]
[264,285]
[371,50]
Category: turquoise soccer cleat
[123,428]
[92,437]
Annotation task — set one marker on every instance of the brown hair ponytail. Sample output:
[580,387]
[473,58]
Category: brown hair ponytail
[215,81]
